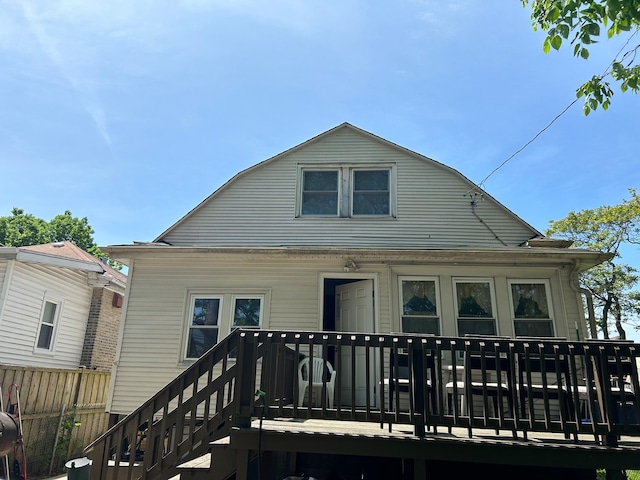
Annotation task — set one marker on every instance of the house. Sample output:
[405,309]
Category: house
[346,232]
[60,307]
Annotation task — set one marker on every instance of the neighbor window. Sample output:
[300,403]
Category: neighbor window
[475,307]
[346,192]
[531,308]
[204,325]
[47,325]
[419,299]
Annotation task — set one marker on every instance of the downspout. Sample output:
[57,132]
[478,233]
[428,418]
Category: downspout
[575,286]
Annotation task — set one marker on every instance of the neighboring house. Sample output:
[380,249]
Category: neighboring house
[60,307]
[344,232]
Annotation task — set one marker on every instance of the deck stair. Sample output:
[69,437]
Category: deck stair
[219,464]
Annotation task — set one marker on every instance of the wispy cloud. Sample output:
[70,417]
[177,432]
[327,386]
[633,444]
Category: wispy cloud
[52,47]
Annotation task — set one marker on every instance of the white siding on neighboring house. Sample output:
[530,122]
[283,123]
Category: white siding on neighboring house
[258,207]
[30,286]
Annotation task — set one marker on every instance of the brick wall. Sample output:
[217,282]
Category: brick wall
[101,337]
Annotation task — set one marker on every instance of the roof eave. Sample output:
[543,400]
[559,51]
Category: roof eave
[56,261]
[583,259]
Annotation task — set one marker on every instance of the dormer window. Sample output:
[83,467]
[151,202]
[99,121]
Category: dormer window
[371,194]
[346,192]
[320,194]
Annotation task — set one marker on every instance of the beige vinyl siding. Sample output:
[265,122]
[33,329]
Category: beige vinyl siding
[3,270]
[258,207]
[4,266]
[153,337]
[573,307]
[29,286]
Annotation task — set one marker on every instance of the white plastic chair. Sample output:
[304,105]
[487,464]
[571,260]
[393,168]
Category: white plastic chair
[318,370]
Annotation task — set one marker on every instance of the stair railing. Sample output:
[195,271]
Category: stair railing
[177,423]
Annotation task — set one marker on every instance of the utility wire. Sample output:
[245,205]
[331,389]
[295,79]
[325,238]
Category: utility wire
[604,74]
[528,143]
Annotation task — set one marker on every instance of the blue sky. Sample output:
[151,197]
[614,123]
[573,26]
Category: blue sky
[131,113]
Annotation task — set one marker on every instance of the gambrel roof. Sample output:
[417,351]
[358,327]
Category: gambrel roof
[436,206]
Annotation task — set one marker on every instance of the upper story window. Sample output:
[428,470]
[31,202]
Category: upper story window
[419,298]
[371,193]
[320,194]
[475,308]
[531,308]
[346,192]
[48,321]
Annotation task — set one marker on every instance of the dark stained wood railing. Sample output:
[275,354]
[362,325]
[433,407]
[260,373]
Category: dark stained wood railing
[515,385]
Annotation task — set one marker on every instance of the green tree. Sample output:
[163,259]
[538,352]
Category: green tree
[66,228]
[612,283]
[583,22]
[22,229]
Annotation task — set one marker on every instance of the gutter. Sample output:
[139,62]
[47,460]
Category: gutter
[575,286]
[43,258]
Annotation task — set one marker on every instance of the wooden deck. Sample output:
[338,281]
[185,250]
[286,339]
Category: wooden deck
[546,455]
[485,446]
[559,407]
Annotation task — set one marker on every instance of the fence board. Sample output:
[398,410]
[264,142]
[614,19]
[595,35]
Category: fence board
[74,400]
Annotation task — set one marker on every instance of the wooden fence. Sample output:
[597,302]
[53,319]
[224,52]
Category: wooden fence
[62,411]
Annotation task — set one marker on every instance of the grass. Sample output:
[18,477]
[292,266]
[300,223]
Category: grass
[631,475]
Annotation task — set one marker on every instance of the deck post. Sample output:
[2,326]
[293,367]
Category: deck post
[418,389]
[244,393]
[243,458]
[419,469]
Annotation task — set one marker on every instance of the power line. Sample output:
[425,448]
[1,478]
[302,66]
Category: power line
[604,74]
[528,143]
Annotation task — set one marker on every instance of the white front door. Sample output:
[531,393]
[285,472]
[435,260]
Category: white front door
[355,306]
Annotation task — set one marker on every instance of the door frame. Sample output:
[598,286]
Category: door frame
[352,276]
[355,276]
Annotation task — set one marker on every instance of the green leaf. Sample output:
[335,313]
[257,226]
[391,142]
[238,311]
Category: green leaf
[546,46]
[564,30]
[556,42]
[584,53]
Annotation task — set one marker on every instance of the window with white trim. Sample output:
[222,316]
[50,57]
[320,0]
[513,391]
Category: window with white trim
[342,191]
[370,193]
[320,193]
[419,305]
[247,312]
[212,315]
[531,308]
[204,326]
[48,320]
[475,306]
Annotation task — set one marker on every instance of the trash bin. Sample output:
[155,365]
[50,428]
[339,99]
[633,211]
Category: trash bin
[78,468]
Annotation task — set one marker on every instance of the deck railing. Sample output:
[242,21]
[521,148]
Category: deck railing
[430,382]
